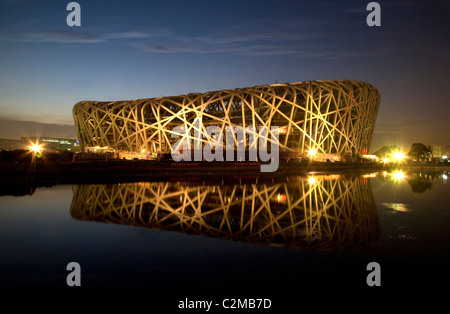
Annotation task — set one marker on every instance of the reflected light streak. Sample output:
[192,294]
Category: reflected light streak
[398,175]
[400,207]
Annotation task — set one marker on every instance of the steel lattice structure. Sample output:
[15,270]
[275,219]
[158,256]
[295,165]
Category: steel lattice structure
[323,212]
[330,117]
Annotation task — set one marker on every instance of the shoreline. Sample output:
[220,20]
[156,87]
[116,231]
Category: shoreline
[116,170]
[115,167]
[19,179]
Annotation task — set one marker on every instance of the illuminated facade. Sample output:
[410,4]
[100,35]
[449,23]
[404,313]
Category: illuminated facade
[316,119]
[321,212]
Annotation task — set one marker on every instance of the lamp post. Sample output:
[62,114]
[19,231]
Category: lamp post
[36,152]
[311,153]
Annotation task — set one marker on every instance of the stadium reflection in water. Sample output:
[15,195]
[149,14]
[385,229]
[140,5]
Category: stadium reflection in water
[320,212]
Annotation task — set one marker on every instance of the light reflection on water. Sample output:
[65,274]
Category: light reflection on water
[321,212]
[129,234]
[397,206]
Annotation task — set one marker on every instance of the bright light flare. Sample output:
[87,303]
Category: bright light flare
[385,160]
[281,198]
[312,180]
[36,148]
[312,152]
[282,130]
[398,156]
[398,175]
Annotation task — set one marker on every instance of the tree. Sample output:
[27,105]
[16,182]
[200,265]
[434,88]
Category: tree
[419,152]
[420,184]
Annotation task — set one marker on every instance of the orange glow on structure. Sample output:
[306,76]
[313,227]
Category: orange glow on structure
[281,198]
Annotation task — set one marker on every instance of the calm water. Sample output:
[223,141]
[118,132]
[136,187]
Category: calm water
[247,235]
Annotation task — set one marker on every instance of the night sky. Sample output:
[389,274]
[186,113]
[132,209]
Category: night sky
[144,49]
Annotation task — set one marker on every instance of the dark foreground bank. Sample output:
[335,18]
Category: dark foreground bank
[43,169]
[46,172]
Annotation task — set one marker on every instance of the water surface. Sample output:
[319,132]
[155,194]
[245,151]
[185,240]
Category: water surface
[276,235]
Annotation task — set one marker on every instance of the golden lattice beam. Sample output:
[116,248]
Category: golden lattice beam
[332,117]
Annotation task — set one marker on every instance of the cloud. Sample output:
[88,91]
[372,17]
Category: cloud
[64,37]
[72,36]
[255,39]
[174,47]
[138,34]
[263,37]
[55,36]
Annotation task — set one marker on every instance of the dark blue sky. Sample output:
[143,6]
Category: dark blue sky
[142,49]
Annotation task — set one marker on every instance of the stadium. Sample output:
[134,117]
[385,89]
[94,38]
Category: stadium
[320,120]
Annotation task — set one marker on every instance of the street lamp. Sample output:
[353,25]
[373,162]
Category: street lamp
[398,156]
[312,152]
[385,160]
[36,148]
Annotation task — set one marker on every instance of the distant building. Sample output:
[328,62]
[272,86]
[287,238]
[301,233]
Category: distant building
[446,154]
[54,142]
[436,153]
[447,151]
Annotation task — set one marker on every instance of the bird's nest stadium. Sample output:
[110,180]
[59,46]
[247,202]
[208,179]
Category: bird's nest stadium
[321,120]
